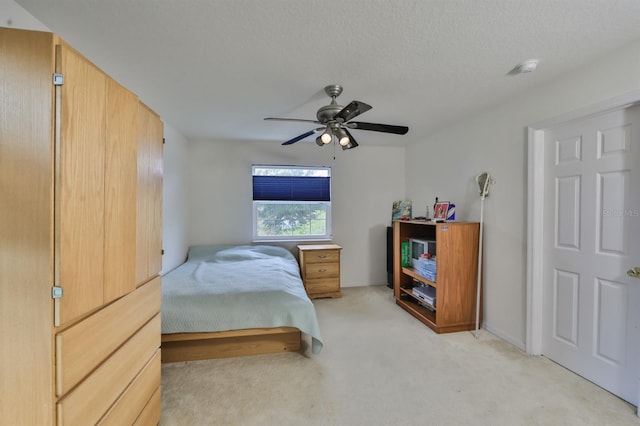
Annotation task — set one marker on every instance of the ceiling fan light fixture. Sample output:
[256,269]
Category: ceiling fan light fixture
[351,144]
[335,119]
[326,137]
[343,138]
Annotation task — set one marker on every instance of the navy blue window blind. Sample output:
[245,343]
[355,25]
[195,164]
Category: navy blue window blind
[291,188]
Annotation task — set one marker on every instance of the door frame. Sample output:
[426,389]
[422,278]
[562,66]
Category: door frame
[535,211]
[535,208]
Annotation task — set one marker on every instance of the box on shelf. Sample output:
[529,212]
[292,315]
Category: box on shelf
[427,268]
[426,294]
[451,212]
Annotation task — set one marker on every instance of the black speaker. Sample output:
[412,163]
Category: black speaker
[390,256]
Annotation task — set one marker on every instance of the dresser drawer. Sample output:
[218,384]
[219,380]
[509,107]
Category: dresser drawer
[321,256]
[328,285]
[134,399]
[88,401]
[322,270]
[81,348]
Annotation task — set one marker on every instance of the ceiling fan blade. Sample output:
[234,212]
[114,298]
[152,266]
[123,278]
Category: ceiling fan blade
[302,136]
[354,109]
[352,142]
[293,119]
[386,128]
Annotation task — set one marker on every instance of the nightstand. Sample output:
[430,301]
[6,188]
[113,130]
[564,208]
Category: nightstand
[320,269]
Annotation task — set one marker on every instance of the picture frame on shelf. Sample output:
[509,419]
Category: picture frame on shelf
[401,210]
[440,211]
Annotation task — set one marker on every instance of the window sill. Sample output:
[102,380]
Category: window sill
[292,240]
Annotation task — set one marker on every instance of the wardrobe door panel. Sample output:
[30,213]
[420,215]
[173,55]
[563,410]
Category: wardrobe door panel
[120,192]
[80,186]
[26,234]
[143,201]
[149,209]
[155,215]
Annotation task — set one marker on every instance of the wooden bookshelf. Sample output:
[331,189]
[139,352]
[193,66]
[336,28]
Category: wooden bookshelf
[456,273]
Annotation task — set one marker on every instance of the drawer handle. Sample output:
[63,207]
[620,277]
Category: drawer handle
[322,270]
[322,256]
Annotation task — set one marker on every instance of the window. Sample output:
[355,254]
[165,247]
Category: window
[291,203]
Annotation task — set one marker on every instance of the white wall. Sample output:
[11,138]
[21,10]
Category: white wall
[175,199]
[446,163]
[12,15]
[365,182]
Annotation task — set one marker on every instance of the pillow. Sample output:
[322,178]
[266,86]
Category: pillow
[231,253]
[204,252]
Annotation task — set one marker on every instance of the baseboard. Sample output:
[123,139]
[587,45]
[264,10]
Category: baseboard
[508,339]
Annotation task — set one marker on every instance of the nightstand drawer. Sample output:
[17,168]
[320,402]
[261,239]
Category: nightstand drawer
[322,256]
[322,270]
[328,285]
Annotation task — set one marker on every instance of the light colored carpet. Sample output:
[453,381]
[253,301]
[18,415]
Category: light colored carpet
[380,366]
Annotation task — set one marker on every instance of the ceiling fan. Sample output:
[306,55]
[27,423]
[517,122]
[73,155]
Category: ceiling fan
[336,122]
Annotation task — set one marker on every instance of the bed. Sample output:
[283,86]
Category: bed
[227,301]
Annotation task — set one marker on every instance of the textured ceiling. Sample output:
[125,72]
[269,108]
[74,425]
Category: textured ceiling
[215,68]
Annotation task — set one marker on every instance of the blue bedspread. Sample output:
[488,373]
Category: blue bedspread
[223,288]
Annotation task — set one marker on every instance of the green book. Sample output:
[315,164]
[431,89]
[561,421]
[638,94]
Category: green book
[406,255]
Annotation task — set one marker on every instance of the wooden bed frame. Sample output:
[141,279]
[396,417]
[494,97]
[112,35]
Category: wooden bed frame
[226,344]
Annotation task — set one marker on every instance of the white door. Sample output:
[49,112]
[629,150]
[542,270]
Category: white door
[591,304]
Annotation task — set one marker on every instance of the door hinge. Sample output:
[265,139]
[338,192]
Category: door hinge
[58,79]
[162,252]
[56,292]
[164,141]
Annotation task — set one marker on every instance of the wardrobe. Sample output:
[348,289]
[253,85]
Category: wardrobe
[80,240]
